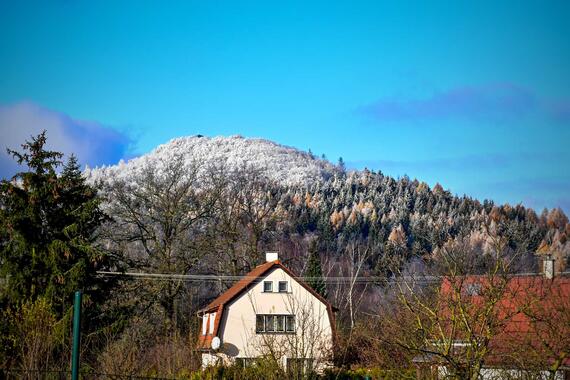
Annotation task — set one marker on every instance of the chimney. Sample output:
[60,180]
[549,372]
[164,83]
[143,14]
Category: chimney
[271,256]
[548,266]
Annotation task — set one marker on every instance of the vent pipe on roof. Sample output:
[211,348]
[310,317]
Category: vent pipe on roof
[271,256]
[548,266]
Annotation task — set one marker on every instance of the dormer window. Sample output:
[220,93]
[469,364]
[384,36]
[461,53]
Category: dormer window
[283,287]
[267,286]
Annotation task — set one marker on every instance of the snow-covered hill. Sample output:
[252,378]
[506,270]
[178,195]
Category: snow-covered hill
[283,164]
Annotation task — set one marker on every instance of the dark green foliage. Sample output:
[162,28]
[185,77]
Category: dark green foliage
[48,226]
[341,164]
[314,271]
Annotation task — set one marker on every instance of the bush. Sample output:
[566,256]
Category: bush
[140,350]
[369,373]
[35,336]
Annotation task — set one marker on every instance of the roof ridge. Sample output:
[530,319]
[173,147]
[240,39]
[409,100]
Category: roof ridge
[251,276]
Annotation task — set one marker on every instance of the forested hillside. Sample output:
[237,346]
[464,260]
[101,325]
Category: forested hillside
[310,196]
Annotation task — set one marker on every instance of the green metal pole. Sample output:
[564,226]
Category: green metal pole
[76,336]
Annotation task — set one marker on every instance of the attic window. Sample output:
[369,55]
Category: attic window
[267,286]
[282,286]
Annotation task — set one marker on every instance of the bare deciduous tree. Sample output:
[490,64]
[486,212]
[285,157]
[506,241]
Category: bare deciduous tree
[455,315]
[246,216]
[157,223]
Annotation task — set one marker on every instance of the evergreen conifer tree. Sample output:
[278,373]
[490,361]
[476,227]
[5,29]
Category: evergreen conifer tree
[341,164]
[314,271]
[48,224]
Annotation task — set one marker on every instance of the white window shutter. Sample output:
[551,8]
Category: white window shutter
[212,319]
[204,324]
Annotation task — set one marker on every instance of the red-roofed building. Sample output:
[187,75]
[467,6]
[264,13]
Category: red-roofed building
[270,311]
[521,325]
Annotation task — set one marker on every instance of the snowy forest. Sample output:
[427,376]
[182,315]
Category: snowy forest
[214,206]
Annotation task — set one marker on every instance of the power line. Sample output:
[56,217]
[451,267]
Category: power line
[329,280]
[227,278]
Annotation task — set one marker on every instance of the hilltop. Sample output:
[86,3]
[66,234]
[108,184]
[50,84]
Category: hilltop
[283,164]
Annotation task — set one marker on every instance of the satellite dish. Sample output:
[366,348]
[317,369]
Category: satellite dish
[215,343]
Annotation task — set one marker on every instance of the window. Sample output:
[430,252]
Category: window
[279,323]
[269,323]
[246,362]
[259,323]
[267,286]
[290,323]
[282,286]
[274,323]
[299,366]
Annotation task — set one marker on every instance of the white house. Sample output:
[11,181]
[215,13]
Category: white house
[269,312]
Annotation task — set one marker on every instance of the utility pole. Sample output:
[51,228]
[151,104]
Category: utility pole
[76,336]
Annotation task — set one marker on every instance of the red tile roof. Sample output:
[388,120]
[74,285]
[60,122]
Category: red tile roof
[241,285]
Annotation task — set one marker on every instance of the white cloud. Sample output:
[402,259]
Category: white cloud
[92,142]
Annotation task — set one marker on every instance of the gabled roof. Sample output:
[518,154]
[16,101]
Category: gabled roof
[242,285]
[253,276]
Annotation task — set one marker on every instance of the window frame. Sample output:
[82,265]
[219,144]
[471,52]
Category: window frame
[299,365]
[286,286]
[279,323]
[289,318]
[244,362]
[269,323]
[259,317]
[275,324]
[270,283]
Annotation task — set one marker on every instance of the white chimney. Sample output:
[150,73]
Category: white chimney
[548,266]
[271,256]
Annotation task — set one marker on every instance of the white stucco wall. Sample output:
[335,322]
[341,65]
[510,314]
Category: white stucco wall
[313,335]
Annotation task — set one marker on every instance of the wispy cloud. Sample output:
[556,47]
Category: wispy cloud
[92,142]
[499,102]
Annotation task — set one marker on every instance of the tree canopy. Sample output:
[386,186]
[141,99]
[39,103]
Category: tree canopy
[48,224]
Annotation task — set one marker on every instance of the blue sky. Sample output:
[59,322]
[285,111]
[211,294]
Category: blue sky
[473,95]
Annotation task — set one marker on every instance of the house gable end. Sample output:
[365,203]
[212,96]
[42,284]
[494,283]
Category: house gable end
[245,286]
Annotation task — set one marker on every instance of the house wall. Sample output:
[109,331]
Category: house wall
[313,335]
